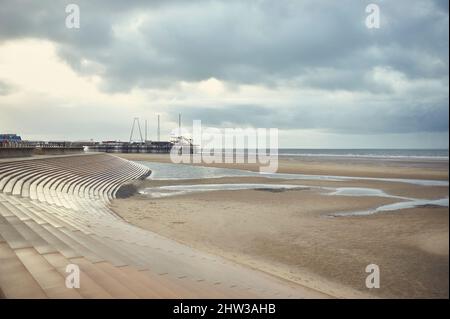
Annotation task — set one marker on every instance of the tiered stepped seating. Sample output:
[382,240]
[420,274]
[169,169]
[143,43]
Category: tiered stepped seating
[54,212]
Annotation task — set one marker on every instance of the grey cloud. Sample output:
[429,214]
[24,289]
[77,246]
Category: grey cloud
[371,118]
[5,88]
[65,123]
[243,42]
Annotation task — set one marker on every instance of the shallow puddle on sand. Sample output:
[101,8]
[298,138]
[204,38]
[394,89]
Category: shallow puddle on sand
[168,171]
[173,190]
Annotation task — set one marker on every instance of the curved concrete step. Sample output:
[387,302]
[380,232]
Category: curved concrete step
[48,278]
[15,280]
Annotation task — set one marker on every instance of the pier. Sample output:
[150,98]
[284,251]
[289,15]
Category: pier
[133,147]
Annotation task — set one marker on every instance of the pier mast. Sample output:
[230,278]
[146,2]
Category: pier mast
[136,120]
[145,131]
[159,131]
[179,124]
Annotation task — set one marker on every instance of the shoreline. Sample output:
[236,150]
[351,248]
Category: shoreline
[354,167]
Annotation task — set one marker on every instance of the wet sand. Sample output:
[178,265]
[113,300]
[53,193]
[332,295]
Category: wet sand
[364,167]
[290,233]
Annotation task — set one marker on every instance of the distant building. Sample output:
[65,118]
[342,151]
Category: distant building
[10,138]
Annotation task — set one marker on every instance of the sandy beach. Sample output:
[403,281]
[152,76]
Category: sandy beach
[293,234]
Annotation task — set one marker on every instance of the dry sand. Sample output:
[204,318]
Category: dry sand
[291,235]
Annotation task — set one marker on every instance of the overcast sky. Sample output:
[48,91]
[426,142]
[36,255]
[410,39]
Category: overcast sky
[310,68]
